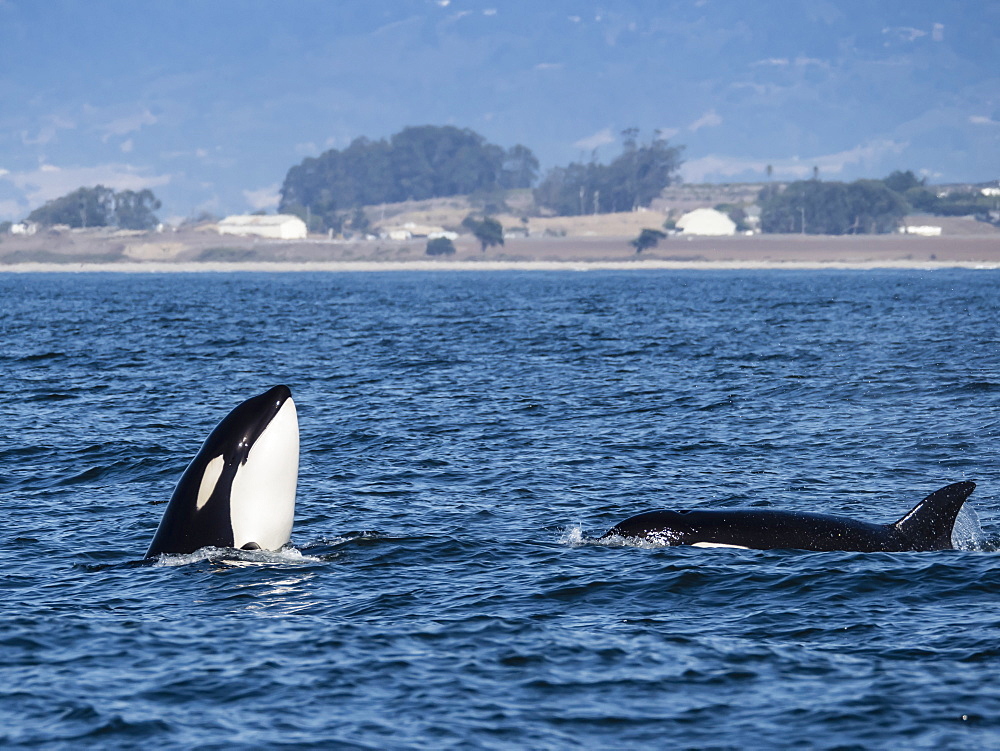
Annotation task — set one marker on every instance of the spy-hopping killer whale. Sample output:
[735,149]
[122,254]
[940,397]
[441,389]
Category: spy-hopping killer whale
[927,526]
[239,490]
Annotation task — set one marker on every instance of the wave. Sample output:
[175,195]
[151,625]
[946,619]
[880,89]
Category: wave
[237,558]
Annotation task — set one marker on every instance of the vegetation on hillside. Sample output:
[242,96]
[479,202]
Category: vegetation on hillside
[415,164]
[631,180]
[100,207]
[426,162]
[813,207]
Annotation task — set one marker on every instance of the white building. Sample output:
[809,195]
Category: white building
[23,228]
[926,230]
[412,230]
[707,222]
[277,226]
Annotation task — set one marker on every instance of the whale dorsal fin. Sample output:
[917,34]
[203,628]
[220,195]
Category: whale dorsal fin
[928,525]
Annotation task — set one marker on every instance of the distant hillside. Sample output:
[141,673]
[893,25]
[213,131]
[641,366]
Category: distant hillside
[448,214]
[418,163]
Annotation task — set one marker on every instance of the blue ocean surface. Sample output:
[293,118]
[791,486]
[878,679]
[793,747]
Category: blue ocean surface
[465,437]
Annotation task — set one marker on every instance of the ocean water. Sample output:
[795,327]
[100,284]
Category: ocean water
[465,436]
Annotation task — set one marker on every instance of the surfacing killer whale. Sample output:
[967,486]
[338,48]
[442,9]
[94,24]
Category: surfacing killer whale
[927,526]
[239,490]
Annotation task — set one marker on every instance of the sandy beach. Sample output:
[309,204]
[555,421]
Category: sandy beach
[978,246]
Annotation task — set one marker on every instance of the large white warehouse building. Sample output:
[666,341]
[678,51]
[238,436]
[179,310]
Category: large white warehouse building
[707,222]
[277,226]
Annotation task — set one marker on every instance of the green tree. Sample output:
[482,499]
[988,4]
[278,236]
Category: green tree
[84,207]
[901,182]
[520,168]
[565,190]
[962,203]
[632,179]
[100,207]
[359,220]
[648,238]
[873,208]
[735,212]
[417,163]
[488,231]
[832,208]
[921,199]
[440,246]
[134,210]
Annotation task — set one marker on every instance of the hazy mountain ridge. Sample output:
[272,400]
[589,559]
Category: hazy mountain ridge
[209,104]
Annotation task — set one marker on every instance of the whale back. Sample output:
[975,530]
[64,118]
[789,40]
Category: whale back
[927,526]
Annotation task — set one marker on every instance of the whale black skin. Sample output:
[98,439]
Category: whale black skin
[927,526]
[202,508]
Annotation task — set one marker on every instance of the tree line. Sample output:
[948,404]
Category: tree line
[815,207]
[415,164]
[811,207]
[428,161]
[437,161]
[100,207]
[631,180]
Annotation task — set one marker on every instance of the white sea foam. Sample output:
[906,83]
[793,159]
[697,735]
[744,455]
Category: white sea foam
[967,534]
[648,543]
[370,266]
[232,557]
[575,537]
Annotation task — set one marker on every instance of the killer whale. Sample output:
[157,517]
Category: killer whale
[927,526]
[239,490]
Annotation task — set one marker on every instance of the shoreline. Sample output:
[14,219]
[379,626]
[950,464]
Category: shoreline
[202,252]
[428,266]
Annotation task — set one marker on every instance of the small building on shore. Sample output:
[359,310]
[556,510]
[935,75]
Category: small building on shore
[411,230]
[925,230]
[24,228]
[275,226]
[707,222]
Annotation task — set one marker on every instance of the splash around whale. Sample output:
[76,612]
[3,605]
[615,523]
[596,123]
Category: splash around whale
[927,526]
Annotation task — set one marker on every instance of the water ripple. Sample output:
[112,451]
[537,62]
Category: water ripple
[465,437]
